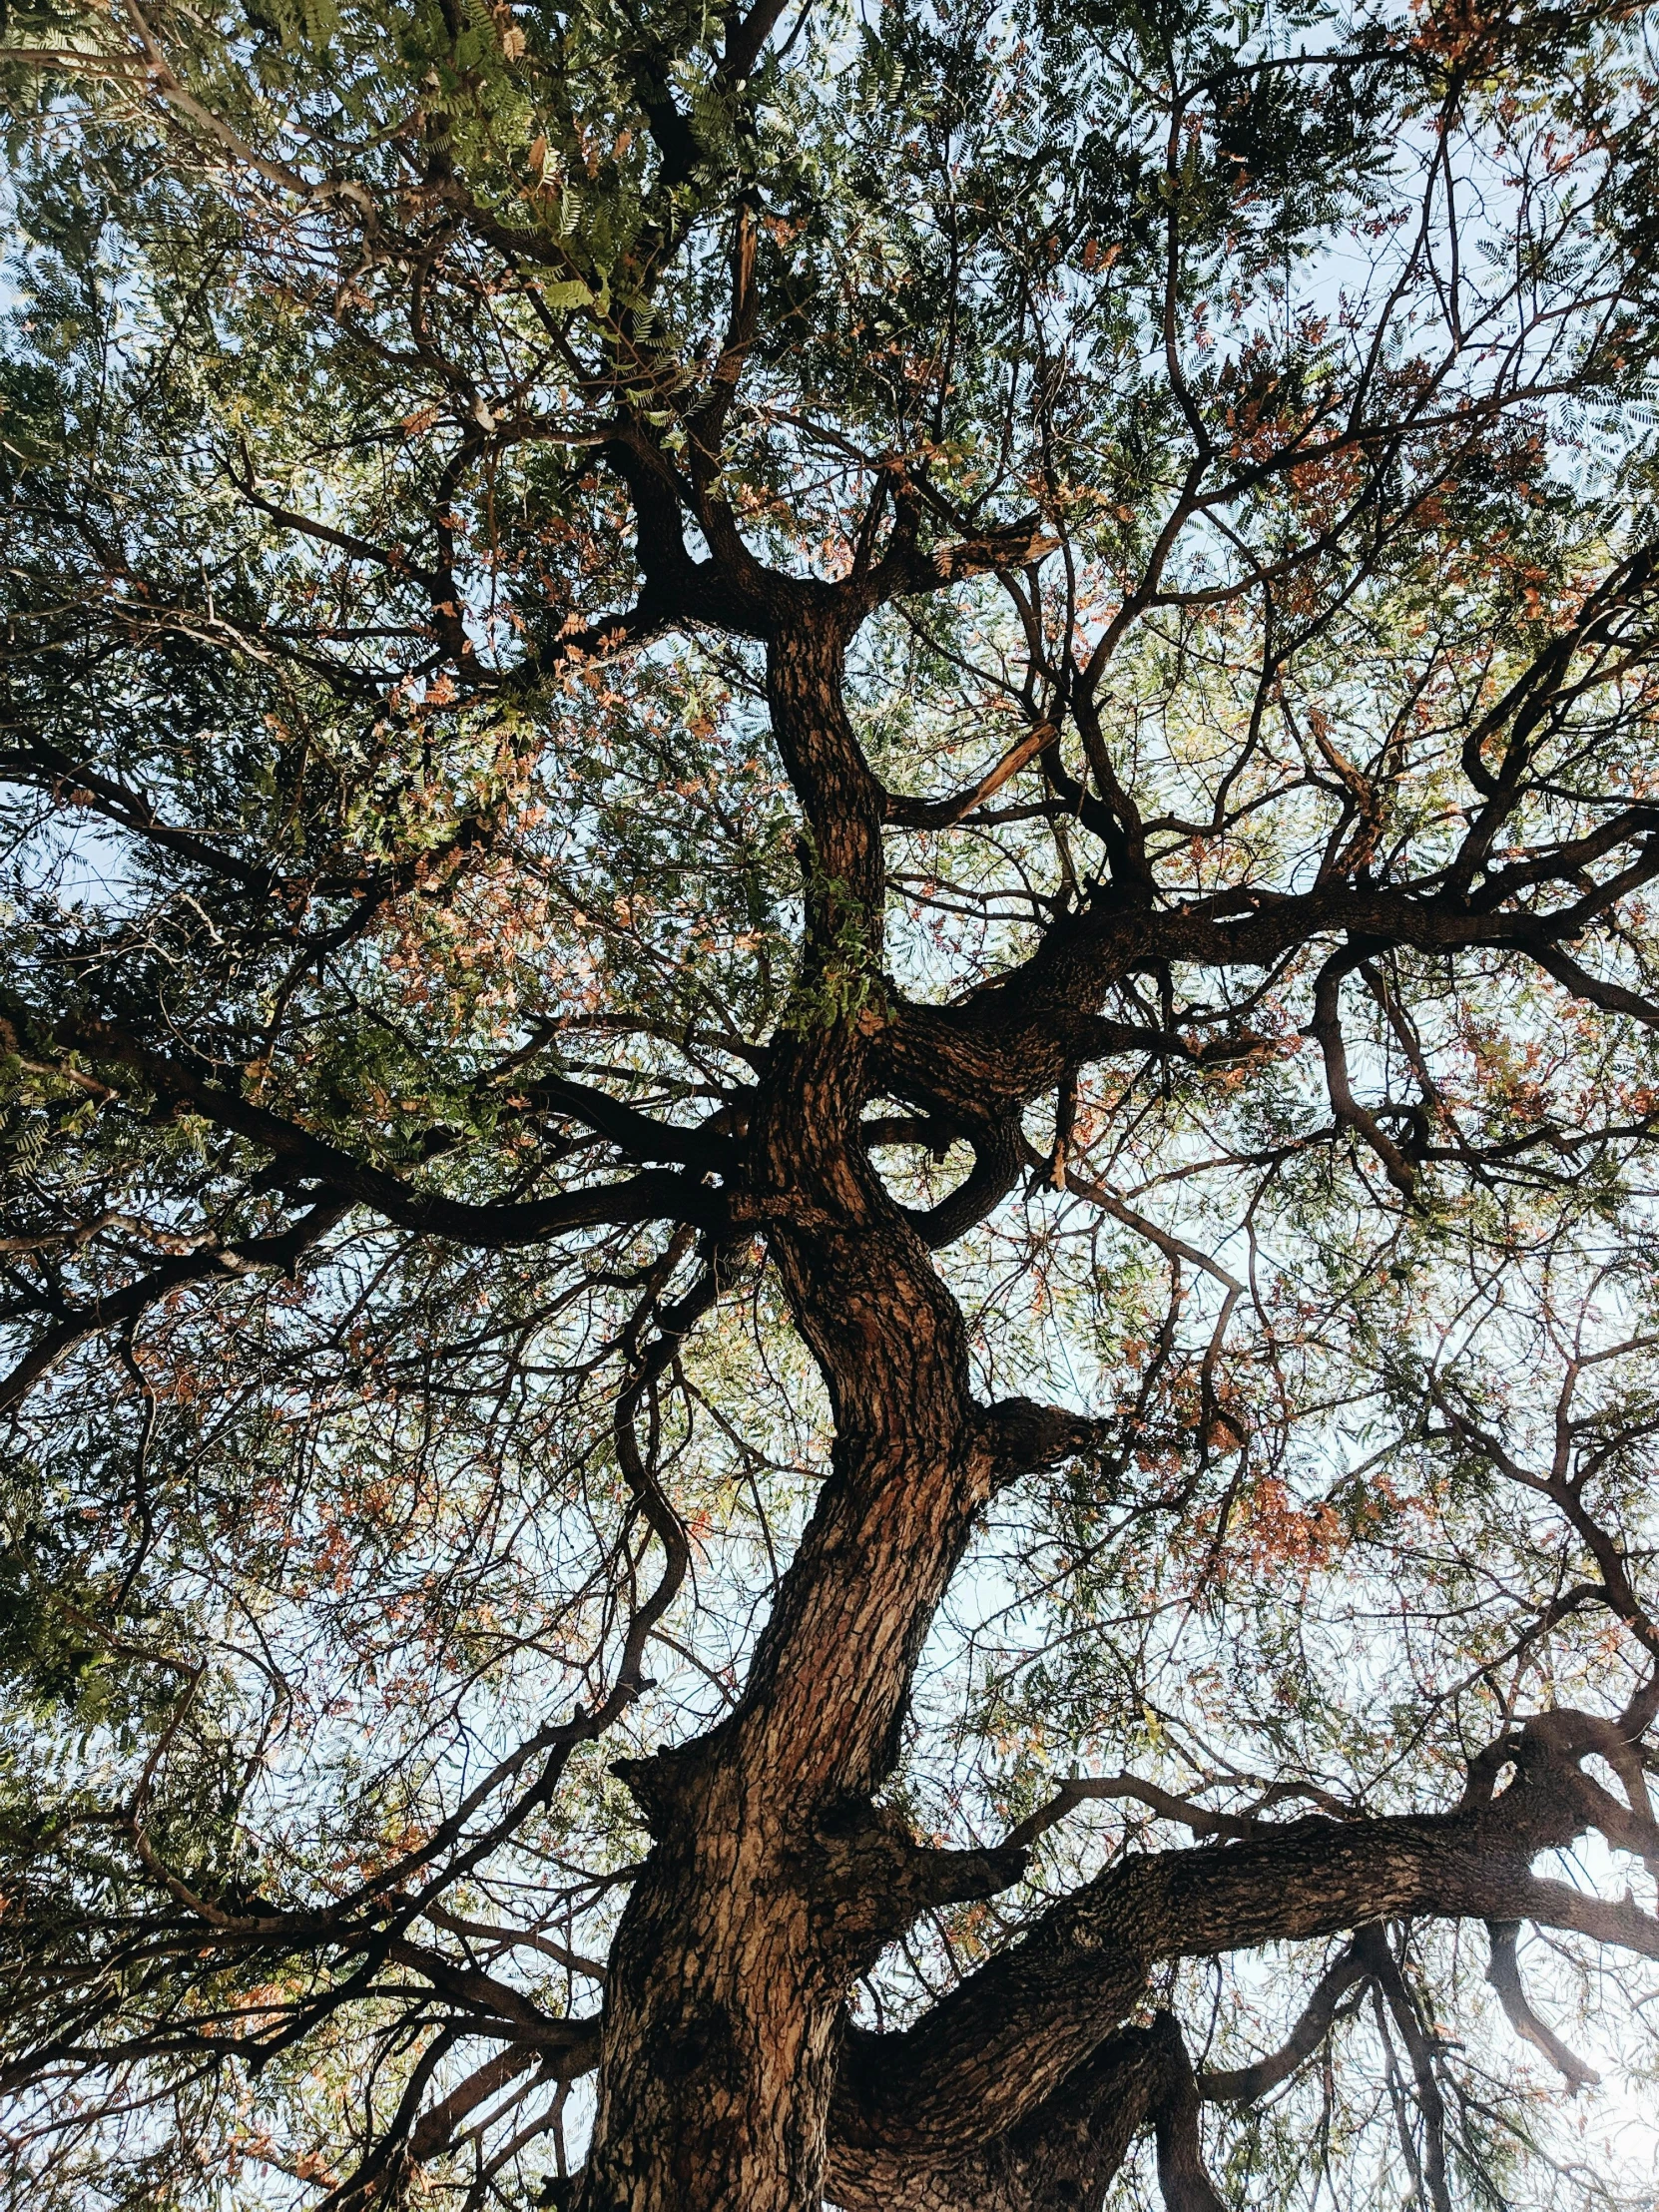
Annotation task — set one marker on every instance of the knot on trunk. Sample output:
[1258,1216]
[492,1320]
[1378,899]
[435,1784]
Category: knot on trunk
[870,1879]
[658,1785]
[1020,1436]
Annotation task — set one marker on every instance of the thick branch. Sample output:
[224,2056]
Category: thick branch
[1064,2153]
[1013,1039]
[1002,2040]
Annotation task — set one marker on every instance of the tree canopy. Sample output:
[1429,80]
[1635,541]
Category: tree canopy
[829,1306]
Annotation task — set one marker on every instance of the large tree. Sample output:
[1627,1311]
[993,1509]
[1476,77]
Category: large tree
[828,1105]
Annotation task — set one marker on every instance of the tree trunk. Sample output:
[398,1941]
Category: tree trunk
[1059,2158]
[773,1880]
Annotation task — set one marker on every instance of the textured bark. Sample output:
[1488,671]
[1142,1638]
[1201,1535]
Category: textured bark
[726,2068]
[978,2061]
[773,1880]
[729,2075]
[1181,2176]
[1064,2153]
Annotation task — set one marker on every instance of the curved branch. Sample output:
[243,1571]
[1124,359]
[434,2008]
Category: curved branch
[1004,2040]
[208,1264]
[1244,2084]
[1614,999]
[941,813]
[1081,1788]
[998,1152]
[1504,1972]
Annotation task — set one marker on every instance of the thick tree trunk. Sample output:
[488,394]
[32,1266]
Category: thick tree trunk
[773,1880]
[770,1884]
[718,2055]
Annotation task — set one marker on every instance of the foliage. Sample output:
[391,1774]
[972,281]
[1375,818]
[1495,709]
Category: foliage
[1225,437]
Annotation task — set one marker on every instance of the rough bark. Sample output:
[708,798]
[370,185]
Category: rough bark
[1063,2154]
[729,2075]
[773,1880]
[727,2067]
[974,2067]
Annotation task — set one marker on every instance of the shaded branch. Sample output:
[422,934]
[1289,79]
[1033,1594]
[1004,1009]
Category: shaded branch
[651,1196]
[208,1263]
[1504,1972]
[1064,2153]
[940,814]
[1244,2084]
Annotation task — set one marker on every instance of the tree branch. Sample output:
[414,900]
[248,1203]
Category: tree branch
[1004,2040]
[1504,1972]
[651,1196]
[210,1263]
[1244,2084]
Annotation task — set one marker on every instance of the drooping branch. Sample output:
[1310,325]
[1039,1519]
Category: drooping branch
[1391,1987]
[1327,1027]
[211,1261]
[1244,2084]
[1186,2185]
[1504,1972]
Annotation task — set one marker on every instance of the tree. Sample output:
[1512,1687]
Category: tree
[830,1093]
